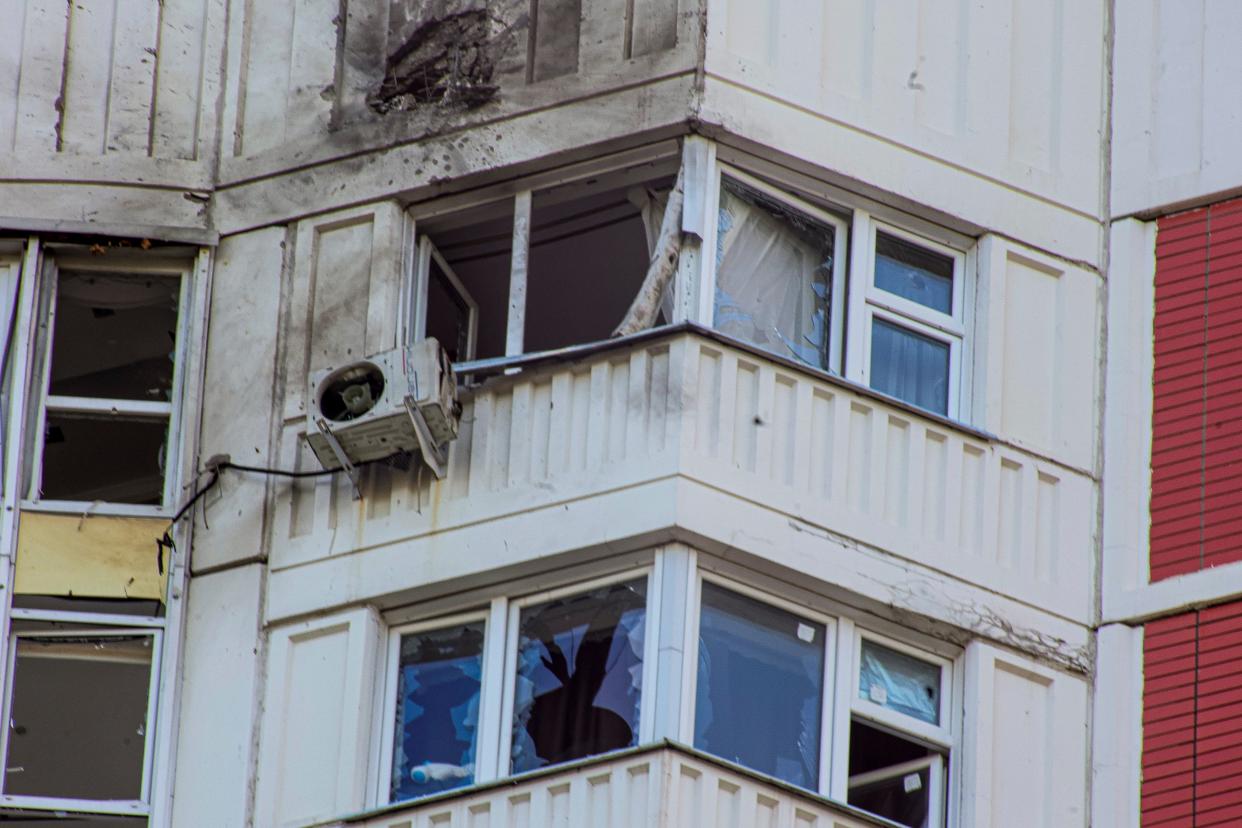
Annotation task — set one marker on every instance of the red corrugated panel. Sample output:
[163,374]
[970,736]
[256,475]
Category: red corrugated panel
[1169,649]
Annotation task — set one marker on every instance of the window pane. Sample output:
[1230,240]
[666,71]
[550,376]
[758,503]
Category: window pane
[773,276]
[114,459]
[448,317]
[79,718]
[760,686]
[438,681]
[914,272]
[114,336]
[888,775]
[901,798]
[579,676]
[900,682]
[910,366]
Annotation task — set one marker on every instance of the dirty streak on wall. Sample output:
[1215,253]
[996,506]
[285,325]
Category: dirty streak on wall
[1196,435]
[335,55]
[107,76]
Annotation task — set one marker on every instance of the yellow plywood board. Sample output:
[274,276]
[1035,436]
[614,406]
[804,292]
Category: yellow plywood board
[97,556]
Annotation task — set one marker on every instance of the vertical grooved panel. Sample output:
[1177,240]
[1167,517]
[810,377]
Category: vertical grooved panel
[653,27]
[521,448]
[1177,139]
[180,66]
[972,499]
[935,485]
[580,408]
[88,73]
[541,435]
[518,811]
[1024,717]
[479,816]
[132,86]
[1047,527]
[599,800]
[1035,82]
[728,804]
[637,801]
[1009,538]
[784,430]
[767,812]
[500,445]
[823,449]
[859,466]
[745,414]
[708,403]
[619,411]
[377,484]
[897,472]
[558,812]
[658,373]
[555,24]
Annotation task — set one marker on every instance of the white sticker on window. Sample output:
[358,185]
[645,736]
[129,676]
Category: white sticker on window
[806,632]
[912,782]
[879,694]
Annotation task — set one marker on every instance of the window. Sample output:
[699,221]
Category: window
[110,385]
[570,679]
[781,284]
[759,696]
[80,706]
[768,681]
[899,733]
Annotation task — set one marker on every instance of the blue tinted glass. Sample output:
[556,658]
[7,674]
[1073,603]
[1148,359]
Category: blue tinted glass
[903,683]
[437,711]
[910,366]
[914,273]
[579,676]
[760,686]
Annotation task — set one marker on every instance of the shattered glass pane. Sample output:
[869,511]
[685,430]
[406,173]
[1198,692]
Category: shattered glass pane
[773,275]
[438,682]
[914,273]
[579,676]
[115,335]
[899,682]
[78,720]
[760,686]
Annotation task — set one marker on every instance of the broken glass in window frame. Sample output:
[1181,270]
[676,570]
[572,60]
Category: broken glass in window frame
[177,272]
[71,634]
[822,712]
[438,773]
[533,664]
[824,350]
[939,734]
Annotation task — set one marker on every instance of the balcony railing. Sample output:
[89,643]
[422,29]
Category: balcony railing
[660,785]
[823,453]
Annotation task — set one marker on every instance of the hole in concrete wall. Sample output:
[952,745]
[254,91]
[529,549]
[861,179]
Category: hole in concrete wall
[78,718]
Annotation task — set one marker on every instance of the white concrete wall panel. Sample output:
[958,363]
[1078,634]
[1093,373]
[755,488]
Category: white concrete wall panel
[1025,743]
[213,782]
[663,789]
[315,736]
[1176,111]
[241,402]
[989,513]
[1039,321]
[1011,91]
[1117,727]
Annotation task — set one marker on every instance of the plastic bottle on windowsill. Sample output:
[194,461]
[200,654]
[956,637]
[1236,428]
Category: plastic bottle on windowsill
[439,772]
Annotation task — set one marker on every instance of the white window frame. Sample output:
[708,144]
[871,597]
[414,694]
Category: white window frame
[427,253]
[127,409]
[388,735]
[840,255]
[650,643]
[87,625]
[827,727]
[871,302]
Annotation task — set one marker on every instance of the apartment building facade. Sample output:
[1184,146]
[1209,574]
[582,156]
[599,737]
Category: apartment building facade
[797,459]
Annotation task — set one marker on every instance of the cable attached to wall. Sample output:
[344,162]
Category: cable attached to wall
[218,463]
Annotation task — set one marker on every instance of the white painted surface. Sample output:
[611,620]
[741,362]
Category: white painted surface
[1039,343]
[1126,487]
[1025,743]
[238,412]
[219,699]
[316,731]
[1176,111]
[660,787]
[1117,727]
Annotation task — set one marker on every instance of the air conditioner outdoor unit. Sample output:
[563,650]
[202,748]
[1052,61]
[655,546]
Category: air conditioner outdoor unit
[403,400]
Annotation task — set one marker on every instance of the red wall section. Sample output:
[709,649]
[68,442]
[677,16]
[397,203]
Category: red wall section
[1196,499]
[1192,719]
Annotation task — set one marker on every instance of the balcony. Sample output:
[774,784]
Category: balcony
[683,434]
[659,785]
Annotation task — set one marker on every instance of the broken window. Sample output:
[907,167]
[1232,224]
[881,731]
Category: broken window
[439,680]
[579,676]
[79,717]
[898,737]
[760,690]
[583,248]
[776,269]
[110,393]
[915,318]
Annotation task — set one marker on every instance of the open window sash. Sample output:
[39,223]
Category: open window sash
[437,284]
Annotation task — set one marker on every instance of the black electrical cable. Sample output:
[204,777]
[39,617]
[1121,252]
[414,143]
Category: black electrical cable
[166,542]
